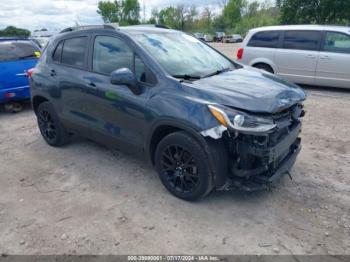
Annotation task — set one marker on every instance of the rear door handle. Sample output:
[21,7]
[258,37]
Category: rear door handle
[326,57]
[22,74]
[52,72]
[311,56]
[92,86]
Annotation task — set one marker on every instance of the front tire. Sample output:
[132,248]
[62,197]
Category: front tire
[182,166]
[50,126]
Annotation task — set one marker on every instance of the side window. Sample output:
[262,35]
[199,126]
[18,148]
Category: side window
[337,43]
[111,53]
[143,74]
[58,52]
[268,39]
[302,40]
[74,51]
[17,50]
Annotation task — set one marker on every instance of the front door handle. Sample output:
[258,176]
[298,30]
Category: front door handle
[92,86]
[326,57]
[52,72]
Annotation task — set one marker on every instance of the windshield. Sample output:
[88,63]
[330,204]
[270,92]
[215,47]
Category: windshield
[181,54]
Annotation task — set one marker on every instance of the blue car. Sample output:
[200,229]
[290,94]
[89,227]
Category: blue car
[17,56]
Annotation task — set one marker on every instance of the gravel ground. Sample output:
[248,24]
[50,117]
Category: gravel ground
[86,199]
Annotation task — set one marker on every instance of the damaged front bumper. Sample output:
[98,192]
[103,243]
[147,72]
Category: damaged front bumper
[260,160]
[255,160]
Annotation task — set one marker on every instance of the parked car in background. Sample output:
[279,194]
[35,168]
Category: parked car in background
[232,39]
[41,37]
[199,36]
[40,41]
[208,38]
[219,36]
[237,38]
[203,121]
[16,57]
[303,54]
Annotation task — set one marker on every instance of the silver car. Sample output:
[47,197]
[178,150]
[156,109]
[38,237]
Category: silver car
[303,54]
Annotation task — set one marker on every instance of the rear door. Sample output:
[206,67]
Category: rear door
[297,58]
[68,72]
[16,57]
[333,67]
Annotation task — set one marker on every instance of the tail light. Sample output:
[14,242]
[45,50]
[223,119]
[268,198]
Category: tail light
[9,95]
[240,53]
[30,72]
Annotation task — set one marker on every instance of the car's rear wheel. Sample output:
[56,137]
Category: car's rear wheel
[264,67]
[50,126]
[182,166]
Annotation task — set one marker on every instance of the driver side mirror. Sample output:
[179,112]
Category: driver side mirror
[124,76]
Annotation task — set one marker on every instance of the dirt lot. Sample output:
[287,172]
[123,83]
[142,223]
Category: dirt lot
[85,199]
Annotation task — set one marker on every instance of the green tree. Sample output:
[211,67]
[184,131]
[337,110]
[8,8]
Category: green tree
[314,11]
[207,19]
[131,12]
[154,16]
[232,12]
[125,12]
[168,16]
[109,11]
[257,14]
[181,15]
[14,31]
[191,17]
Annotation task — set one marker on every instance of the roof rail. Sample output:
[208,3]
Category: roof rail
[162,26]
[151,25]
[84,27]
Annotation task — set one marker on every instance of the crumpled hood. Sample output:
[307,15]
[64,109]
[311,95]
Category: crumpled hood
[248,89]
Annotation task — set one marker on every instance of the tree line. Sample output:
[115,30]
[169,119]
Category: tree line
[236,16]
[11,31]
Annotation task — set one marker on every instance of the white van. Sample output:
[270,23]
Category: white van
[303,54]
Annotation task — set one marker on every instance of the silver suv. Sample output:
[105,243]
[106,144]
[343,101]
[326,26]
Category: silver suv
[303,54]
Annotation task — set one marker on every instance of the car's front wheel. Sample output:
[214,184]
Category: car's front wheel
[182,166]
[50,126]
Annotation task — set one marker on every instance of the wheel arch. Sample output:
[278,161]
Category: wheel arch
[265,61]
[212,148]
[164,128]
[36,101]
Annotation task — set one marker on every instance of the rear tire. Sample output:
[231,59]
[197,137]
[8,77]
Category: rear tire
[264,67]
[50,126]
[183,167]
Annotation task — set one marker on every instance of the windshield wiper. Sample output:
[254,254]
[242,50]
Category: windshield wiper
[187,77]
[218,72]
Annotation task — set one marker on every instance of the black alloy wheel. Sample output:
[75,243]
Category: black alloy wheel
[180,169]
[50,126]
[47,125]
[183,167]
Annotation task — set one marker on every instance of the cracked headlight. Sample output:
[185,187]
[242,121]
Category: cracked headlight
[241,121]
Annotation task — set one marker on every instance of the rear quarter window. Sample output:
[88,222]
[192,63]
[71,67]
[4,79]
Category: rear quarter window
[58,53]
[13,50]
[267,39]
[336,42]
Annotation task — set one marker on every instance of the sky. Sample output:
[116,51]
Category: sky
[59,14]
